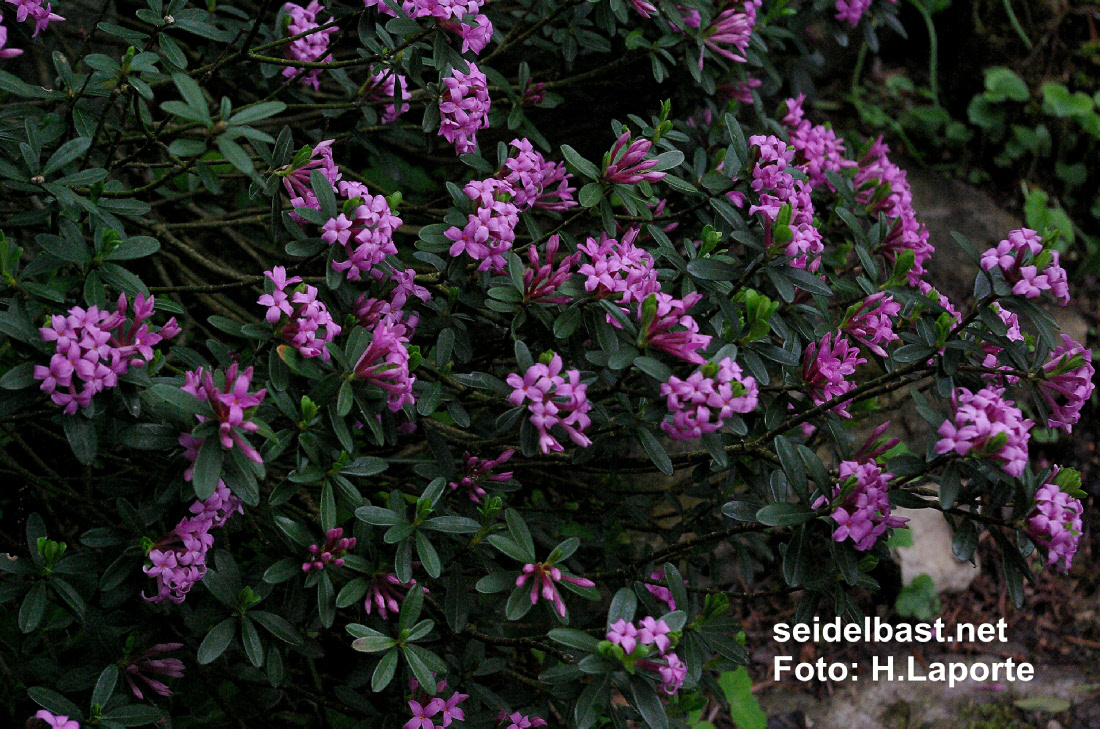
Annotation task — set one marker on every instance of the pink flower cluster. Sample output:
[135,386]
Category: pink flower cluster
[1026,264]
[490,229]
[460,16]
[536,182]
[1068,384]
[1056,523]
[385,363]
[626,164]
[776,187]
[988,425]
[860,504]
[336,545]
[144,665]
[7,52]
[382,593]
[876,170]
[94,347]
[871,324]
[712,393]
[480,470]
[741,90]
[733,28]
[660,591]
[229,402]
[366,237]
[543,579]
[542,280]
[296,179]
[641,640]
[424,710]
[667,327]
[1014,334]
[619,268]
[33,10]
[309,325]
[852,10]
[384,84]
[310,48]
[818,148]
[53,721]
[179,560]
[825,367]
[464,108]
[553,400]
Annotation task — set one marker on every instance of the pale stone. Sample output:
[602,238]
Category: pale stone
[931,553]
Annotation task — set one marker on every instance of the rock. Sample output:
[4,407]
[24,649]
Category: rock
[931,552]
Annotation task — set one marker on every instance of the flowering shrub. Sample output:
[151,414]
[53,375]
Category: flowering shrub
[280,454]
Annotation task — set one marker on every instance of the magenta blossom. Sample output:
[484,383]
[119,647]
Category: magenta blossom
[870,322]
[480,470]
[229,401]
[665,326]
[56,721]
[624,635]
[385,364]
[825,368]
[706,398]
[728,35]
[1027,263]
[988,425]
[543,578]
[142,666]
[626,164]
[860,504]
[540,282]
[1056,521]
[296,179]
[336,545]
[553,399]
[422,715]
[311,48]
[464,108]
[1068,384]
[382,594]
[7,52]
[517,720]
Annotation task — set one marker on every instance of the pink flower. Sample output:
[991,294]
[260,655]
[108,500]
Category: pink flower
[708,396]
[336,545]
[624,635]
[541,281]
[553,400]
[771,178]
[229,402]
[825,367]
[143,665]
[819,148]
[384,84]
[422,715]
[627,164]
[382,593]
[490,229]
[1056,522]
[296,179]
[733,28]
[464,108]
[1068,384]
[57,721]
[665,326]
[7,52]
[543,578]
[990,426]
[619,267]
[311,48]
[869,322]
[860,504]
[1028,265]
[478,471]
[654,632]
[519,721]
[385,363]
[852,10]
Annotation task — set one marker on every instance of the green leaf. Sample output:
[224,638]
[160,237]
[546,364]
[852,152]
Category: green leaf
[648,704]
[208,468]
[19,377]
[54,702]
[67,153]
[1002,83]
[192,95]
[216,641]
[429,557]
[235,155]
[574,639]
[623,606]
[256,112]
[419,668]
[33,608]
[137,247]
[278,626]
[253,648]
[579,163]
[82,437]
[784,514]
[133,715]
[590,195]
[365,466]
[744,708]
[452,525]
[496,582]
[384,671]
[655,451]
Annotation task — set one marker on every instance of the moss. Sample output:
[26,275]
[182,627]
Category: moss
[992,716]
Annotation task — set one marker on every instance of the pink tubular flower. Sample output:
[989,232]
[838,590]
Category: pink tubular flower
[643,7]
[624,635]
[530,176]
[627,165]
[143,665]
[541,281]
[33,10]
[475,31]
[553,400]
[452,710]
[852,10]
[825,367]
[336,545]
[1056,523]
[55,721]
[382,593]
[384,84]
[906,233]
[1068,384]
[860,504]
[654,632]
[818,148]
[422,715]
[987,424]
[776,186]
[310,325]
[660,591]
[229,402]
[178,560]
[478,471]
[700,403]
[1029,265]
[385,363]
[464,108]
[740,91]
[366,237]
[673,674]
[296,179]
[7,52]
[619,267]
[519,721]
[311,48]
[543,578]
[869,322]
[490,229]
[733,28]
[93,348]
[665,326]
